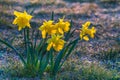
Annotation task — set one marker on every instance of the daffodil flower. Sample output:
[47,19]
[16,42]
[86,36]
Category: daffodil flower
[85,31]
[62,26]
[56,42]
[92,32]
[86,25]
[22,19]
[47,28]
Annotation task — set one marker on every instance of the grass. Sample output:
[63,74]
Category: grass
[87,71]
[73,69]
[95,72]
[108,55]
[43,1]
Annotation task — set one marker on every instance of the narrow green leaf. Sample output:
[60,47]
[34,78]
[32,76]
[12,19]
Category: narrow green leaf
[42,47]
[39,46]
[32,11]
[71,48]
[57,61]
[52,15]
[36,59]
[51,59]
[14,49]
[44,63]
[69,35]
[30,54]
[35,41]
[28,58]
[59,57]
[25,40]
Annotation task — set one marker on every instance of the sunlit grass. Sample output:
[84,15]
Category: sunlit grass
[73,69]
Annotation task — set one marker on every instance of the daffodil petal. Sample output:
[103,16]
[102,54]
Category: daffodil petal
[66,28]
[86,38]
[16,13]
[15,21]
[60,31]
[28,24]
[43,34]
[49,46]
[19,28]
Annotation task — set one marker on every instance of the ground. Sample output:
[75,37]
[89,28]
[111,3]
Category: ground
[103,14]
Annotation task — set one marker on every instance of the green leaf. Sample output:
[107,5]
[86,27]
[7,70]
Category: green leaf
[44,62]
[25,40]
[51,59]
[57,61]
[14,49]
[71,48]
[30,54]
[52,15]
[35,41]
[39,47]
[42,49]
[65,51]
[67,37]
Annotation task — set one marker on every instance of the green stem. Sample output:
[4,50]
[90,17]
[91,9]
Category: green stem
[25,41]
[52,15]
[35,41]
[51,59]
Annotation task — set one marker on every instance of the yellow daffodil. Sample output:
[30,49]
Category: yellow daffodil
[22,19]
[86,25]
[62,26]
[92,32]
[85,31]
[47,28]
[56,42]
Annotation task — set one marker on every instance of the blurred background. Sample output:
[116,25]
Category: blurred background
[78,10]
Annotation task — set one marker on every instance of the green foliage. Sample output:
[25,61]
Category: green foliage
[13,67]
[95,72]
[76,70]
[37,59]
[62,55]
[110,58]
[73,69]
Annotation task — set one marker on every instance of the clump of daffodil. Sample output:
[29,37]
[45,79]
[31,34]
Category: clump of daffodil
[22,19]
[35,62]
[62,26]
[56,42]
[47,28]
[86,31]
